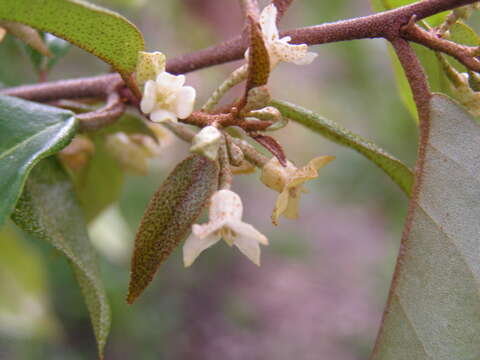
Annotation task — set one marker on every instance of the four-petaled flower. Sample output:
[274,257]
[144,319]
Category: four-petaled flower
[280,49]
[225,221]
[288,181]
[165,98]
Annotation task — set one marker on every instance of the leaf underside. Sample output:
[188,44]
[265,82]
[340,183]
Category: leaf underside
[434,304]
[28,132]
[49,210]
[169,216]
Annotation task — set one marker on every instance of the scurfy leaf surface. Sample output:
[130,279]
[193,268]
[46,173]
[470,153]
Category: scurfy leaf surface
[393,167]
[433,312]
[169,216]
[28,132]
[101,32]
[49,210]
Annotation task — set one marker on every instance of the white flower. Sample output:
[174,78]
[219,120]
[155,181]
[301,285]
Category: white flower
[207,142]
[225,215]
[167,99]
[280,49]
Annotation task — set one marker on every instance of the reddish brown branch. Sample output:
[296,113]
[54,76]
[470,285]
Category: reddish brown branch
[387,24]
[464,54]
[421,94]
[113,109]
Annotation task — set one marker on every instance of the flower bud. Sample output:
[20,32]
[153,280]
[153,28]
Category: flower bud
[206,142]
[149,65]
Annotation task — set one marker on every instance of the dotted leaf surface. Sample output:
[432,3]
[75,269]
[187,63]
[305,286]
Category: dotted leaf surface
[169,216]
[101,32]
[49,210]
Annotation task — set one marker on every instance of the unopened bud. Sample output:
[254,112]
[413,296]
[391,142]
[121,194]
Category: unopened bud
[257,98]
[149,65]
[235,154]
[206,142]
[77,154]
[474,80]
[268,113]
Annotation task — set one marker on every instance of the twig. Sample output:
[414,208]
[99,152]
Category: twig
[421,94]
[225,178]
[464,54]
[113,109]
[386,24]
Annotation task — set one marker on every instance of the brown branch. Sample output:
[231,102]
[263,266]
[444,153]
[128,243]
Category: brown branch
[113,109]
[421,94]
[386,24]
[465,54]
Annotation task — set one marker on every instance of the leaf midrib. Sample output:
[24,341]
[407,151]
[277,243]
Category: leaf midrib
[8,152]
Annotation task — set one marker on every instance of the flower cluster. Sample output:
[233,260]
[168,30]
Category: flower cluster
[164,95]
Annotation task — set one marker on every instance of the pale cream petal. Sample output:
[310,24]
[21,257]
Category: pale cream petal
[3,32]
[280,206]
[268,22]
[292,210]
[309,171]
[248,231]
[161,115]
[275,176]
[204,230]
[184,102]
[170,82]
[306,59]
[149,97]
[249,247]
[194,246]
[225,205]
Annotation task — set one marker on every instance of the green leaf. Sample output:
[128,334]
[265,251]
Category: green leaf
[49,210]
[101,32]
[168,218]
[28,132]
[393,167]
[25,308]
[57,47]
[100,182]
[433,310]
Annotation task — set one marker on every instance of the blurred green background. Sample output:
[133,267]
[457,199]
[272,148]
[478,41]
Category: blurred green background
[320,291]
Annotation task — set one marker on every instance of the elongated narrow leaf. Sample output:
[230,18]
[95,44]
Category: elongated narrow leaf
[433,310]
[104,33]
[49,210]
[393,167]
[168,218]
[28,133]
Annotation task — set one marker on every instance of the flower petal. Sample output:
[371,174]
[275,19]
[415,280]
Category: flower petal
[202,231]
[184,101]
[280,206]
[249,247]
[268,22]
[309,171]
[149,97]
[194,246]
[170,82]
[161,115]
[292,210]
[245,230]
[225,205]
